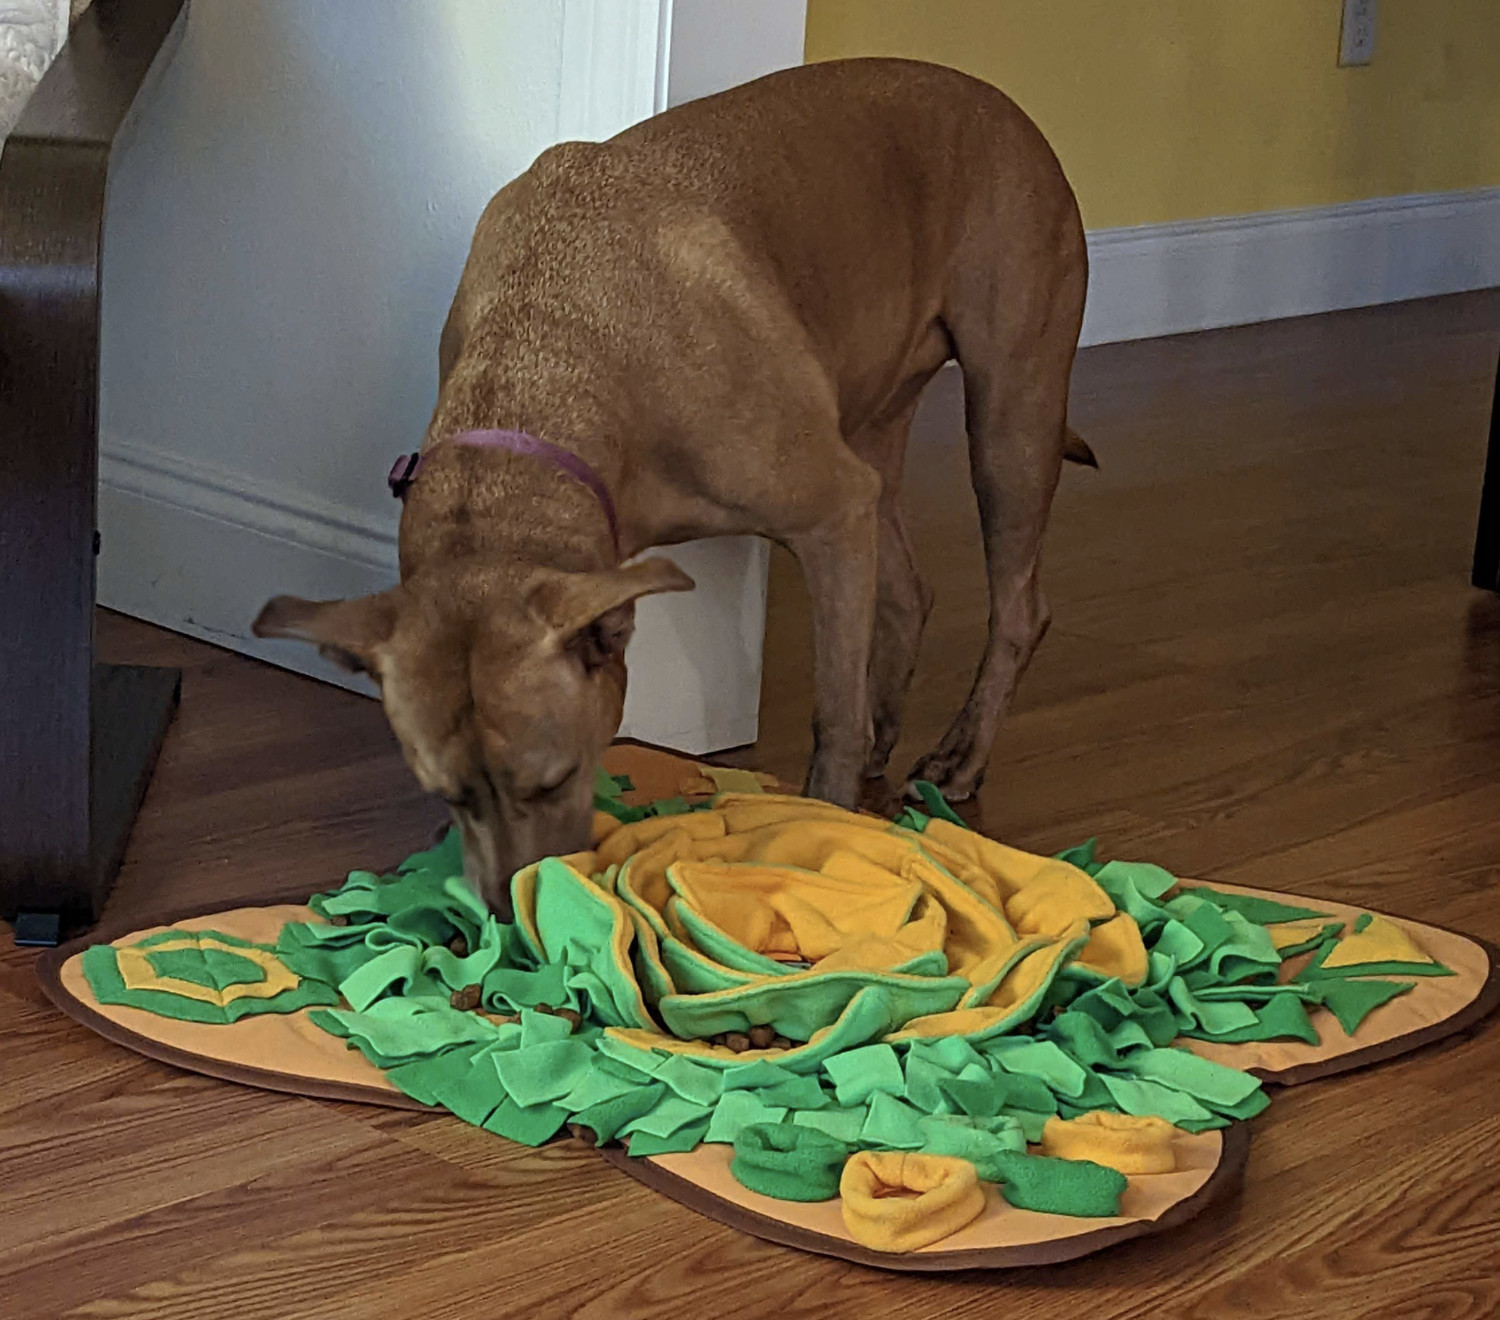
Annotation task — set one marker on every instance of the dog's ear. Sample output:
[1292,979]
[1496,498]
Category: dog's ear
[595,612]
[351,633]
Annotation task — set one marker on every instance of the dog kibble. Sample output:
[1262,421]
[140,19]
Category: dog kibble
[762,1036]
[569,1015]
[737,1042]
[465,1000]
[338,919]
[781,1043]
[458,947]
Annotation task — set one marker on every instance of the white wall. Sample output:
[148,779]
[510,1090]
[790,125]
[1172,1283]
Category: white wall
[722,43]
[287,222]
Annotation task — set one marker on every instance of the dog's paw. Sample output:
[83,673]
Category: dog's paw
[878,797]
[837,785]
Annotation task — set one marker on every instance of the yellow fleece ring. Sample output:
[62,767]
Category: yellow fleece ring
[1127,1142]
[137,973]
[899,1201]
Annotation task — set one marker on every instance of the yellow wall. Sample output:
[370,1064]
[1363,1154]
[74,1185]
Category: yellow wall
[1178,109]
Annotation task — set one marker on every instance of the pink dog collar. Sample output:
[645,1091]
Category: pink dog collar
[408,466]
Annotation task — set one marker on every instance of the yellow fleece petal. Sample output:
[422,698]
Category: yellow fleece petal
[1380,941]
[1115,948]
[1132,1144]
[1040,895]
[1284,934]
[1054,899]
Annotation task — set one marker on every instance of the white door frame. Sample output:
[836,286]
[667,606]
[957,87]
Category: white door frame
[695,663]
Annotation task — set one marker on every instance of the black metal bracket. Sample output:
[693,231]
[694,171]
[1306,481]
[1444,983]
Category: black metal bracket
[38,929]
[1486,571]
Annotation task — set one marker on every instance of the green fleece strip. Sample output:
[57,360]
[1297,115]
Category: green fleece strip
[1211,1083]
[936,804]
[892,1124]
[1059,1187]
[214,969]
[1281,1018]
[799,1005]
[1262,911]
[1152,1098]
[843,1124]
[788,1162]
[608,1116]
[1351,1000]
[1327,935]
[1082,856]
[737,1111]
[1042,1059]
[980,1146]
[859,1074]
[684,1139]
[669,1116]
[529,1127]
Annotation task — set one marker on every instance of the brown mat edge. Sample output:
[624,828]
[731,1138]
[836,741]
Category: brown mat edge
[1455,1024]
[1225,1177]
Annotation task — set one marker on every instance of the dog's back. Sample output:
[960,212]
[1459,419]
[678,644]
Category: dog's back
[822,217]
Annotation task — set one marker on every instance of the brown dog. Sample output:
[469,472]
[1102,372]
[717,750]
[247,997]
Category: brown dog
[718,323]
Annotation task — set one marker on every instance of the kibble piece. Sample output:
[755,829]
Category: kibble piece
[569,1015]
[465,1000]
[458,947]
[338,919]
[736,1041]
[781,1043]
[762,1036]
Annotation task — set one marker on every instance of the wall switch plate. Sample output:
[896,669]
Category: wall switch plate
[1357,35]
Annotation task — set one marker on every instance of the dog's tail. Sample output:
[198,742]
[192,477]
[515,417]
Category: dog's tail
[1076,450]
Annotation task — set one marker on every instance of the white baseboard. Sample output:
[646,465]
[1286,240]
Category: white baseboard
[1150,280]
[199,550]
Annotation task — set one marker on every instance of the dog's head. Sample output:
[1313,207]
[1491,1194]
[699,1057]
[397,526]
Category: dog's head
[503,698]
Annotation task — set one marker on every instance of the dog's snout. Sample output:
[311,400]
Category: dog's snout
[493,853]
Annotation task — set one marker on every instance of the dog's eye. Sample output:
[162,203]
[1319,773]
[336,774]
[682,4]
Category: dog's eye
[555,785]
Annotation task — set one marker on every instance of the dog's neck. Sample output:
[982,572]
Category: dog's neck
[515,511]
[496,505]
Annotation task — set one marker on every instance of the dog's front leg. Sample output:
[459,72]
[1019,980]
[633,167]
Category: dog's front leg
[839,560]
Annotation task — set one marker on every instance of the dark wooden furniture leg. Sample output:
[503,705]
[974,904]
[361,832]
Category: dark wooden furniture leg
[77,741]
[1486,572]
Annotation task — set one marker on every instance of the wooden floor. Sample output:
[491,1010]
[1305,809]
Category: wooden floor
[1266,666]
